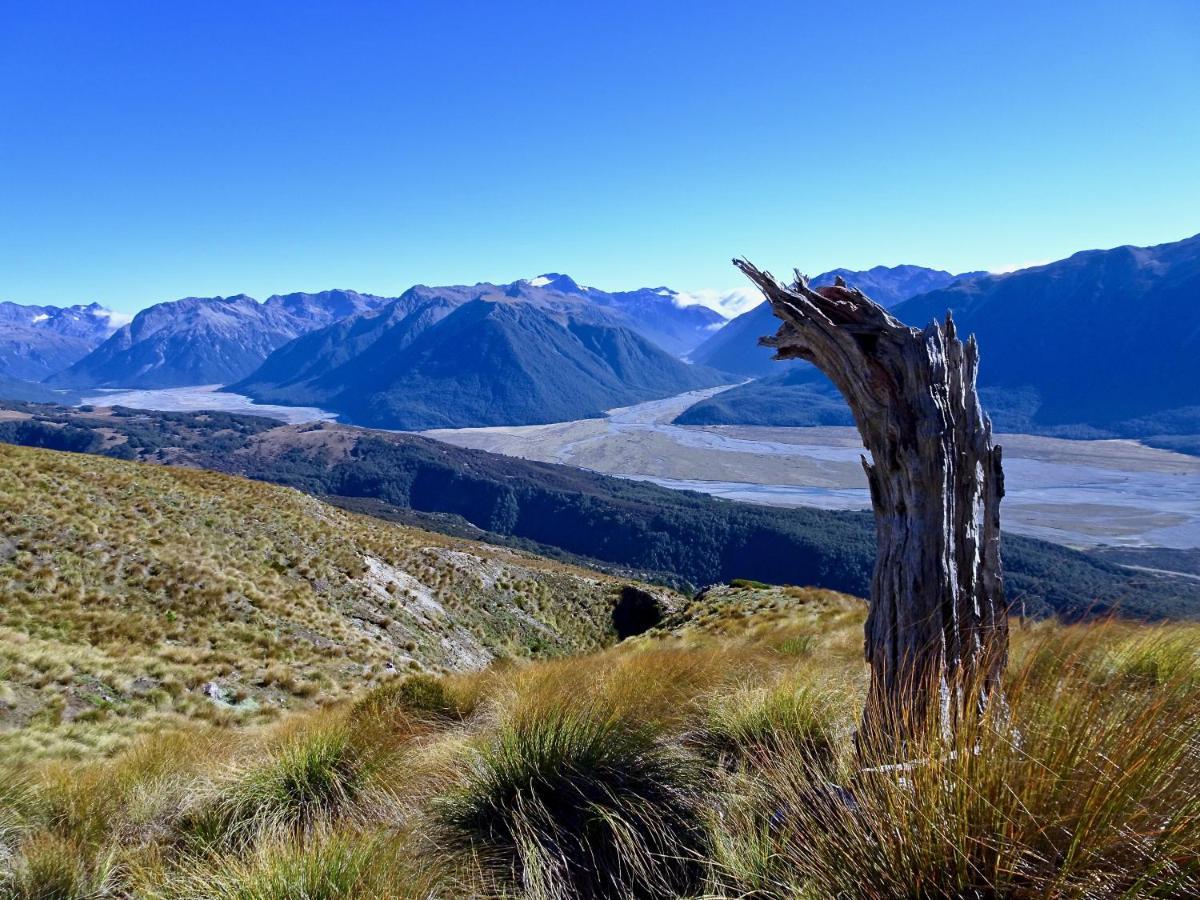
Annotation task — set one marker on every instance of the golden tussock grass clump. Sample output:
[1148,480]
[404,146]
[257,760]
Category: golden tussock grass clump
[189,713]
[681,763]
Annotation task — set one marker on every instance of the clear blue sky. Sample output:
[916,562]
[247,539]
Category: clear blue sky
[154,150]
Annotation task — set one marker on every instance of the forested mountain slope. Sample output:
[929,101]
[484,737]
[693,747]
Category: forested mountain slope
[1105,343]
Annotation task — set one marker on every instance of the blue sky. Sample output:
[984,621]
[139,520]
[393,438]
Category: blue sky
[150,151]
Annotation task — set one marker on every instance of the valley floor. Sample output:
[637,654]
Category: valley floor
[203,397]
[1078,493]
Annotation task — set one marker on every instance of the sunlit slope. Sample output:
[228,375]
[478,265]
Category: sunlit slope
[134,592]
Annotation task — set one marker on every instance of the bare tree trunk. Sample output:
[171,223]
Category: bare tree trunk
[937,630]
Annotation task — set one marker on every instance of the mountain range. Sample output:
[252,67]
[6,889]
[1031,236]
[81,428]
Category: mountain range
[219,340]
[537,350]
[1105,343]
[735,347]
[1104,338]
[205,340]
[38,341]
[659,314]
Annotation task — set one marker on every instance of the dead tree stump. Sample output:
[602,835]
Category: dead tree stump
[937,629]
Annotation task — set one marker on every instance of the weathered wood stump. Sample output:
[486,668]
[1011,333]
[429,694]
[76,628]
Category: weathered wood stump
[937,629]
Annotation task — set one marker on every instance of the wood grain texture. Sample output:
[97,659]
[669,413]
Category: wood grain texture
[937,631]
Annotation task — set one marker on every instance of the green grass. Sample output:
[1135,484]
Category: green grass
[310,779]
[760,726]
[422,696]
[325,867]
[51,867]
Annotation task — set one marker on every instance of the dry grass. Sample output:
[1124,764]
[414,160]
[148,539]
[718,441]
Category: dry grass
[712,757]
[135,598]
[697,762]
[1085,785]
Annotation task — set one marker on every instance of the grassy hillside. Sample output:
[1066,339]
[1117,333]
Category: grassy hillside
[135,596]
[675,537]
[712,757]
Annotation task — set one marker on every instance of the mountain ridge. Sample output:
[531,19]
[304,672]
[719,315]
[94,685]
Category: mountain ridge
[735,347]
[220,340]
[521,353]
[203,340]
[37,341]
[1134,373]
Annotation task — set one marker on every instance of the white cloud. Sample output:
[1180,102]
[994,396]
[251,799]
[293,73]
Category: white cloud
[730,303]
[1017,267]
[116,319]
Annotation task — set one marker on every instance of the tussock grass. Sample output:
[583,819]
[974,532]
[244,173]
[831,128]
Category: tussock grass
[343,866]
[51,867]
[135,599]
[1078,787]
[421,696]
[760,726]
[567,802]
[306,781]
[711,758]
[1155,656]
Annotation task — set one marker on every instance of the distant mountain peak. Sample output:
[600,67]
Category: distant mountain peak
[206,340]
[511,354]
[556,281]
[1129,369]
[36,341]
